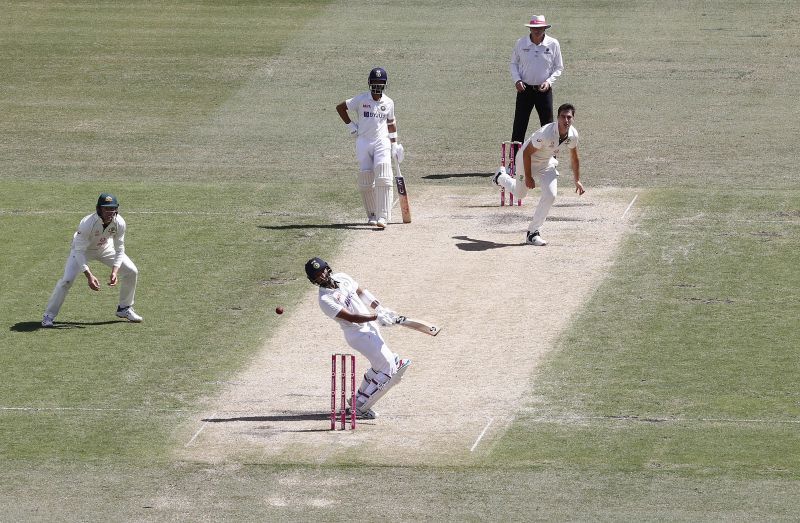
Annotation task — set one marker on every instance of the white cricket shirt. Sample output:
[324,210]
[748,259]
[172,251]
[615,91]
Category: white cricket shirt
[372,116]
[332,301]
[92,237]
[547,147]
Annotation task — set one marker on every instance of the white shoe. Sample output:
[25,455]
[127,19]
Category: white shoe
[366,414]
[533,238]
[369,414]
[372,222]
[496,176]
[401,366]
[47,320]
[129,314]
[381,223]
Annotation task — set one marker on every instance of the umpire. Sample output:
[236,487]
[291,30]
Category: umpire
[535,65]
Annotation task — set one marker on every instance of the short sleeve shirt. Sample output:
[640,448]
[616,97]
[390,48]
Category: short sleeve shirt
[344,296]
[372,116]
[546,142]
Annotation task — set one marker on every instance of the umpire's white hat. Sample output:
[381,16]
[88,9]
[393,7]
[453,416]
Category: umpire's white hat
[538,21]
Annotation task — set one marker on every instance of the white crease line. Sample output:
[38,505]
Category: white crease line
[88,409]
[199,430]
[474,445]
[629,206]
[552,419]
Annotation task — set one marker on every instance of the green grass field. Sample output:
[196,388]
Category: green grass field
[672,397]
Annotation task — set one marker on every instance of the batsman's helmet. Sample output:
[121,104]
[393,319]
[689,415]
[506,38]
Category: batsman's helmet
[315,267]
[378,80]
[107,200]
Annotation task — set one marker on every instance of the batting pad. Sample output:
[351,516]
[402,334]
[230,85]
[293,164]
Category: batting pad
[384,190]
[366,185]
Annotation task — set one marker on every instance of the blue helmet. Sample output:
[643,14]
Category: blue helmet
[378,79]
[315,268]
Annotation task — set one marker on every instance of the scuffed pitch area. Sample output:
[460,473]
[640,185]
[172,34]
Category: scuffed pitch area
[462,264]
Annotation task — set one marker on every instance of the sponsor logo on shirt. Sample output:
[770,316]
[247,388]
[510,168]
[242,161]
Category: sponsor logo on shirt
[348,301]
[370,114]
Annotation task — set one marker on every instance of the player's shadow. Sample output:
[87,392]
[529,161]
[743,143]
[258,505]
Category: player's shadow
[316,416]
[472,244]
[574,204]
[351,226]
[30,326]
[447,176]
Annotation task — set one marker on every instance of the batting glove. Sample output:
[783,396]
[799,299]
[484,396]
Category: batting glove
[386,319]
[353,128]
[398,152]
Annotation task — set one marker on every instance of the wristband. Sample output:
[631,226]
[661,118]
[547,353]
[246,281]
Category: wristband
[372,301]
[393,135]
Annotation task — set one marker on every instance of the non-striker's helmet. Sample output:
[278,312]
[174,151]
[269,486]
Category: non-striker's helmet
[378,79]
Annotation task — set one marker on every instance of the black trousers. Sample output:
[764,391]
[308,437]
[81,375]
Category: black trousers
[526,100]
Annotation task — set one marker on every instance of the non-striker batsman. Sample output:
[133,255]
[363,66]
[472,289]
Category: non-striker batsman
[375,130]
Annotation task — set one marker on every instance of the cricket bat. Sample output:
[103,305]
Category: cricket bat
[401,190]
[418,325]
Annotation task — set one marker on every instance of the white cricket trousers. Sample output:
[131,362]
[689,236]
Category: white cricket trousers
[547,179]
[127,275]
[370,344]
[371,153]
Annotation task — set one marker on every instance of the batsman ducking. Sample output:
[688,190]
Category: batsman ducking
[360,315]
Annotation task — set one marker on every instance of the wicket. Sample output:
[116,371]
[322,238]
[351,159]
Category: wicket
[342,413]
[513,148]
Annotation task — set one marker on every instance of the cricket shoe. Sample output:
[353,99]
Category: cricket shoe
[372,222]
[496,176]
[129,314]
[401,366]
[533,238]
[368,414]
[47,320]
[381,223]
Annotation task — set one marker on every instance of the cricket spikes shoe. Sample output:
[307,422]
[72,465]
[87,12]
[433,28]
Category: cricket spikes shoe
[381,223]
[364,414]
[372,222]
[129,314]
[533,238]
[496,176]
[47,320]
[402,364]
[361,414]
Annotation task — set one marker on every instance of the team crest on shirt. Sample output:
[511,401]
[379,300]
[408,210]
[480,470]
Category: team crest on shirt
[383,107]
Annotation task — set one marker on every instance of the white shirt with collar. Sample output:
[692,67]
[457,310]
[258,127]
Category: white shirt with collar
[345,297]
[546,142]
[535,64]
[92,239]
[372,116]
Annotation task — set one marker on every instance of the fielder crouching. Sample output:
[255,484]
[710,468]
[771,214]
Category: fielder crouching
[100,236]
[342,300]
